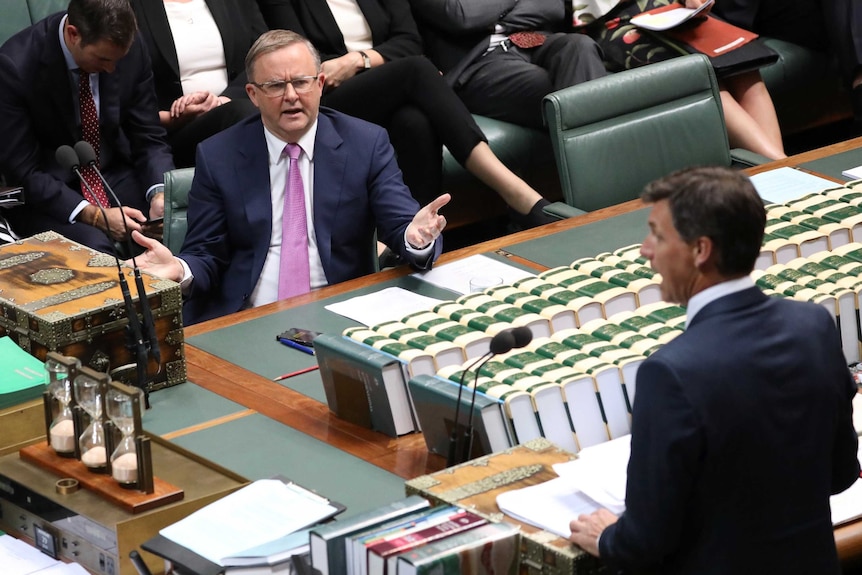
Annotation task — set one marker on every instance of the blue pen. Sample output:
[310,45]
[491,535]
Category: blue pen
[295,345]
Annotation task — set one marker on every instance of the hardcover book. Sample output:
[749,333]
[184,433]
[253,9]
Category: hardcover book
[491,549]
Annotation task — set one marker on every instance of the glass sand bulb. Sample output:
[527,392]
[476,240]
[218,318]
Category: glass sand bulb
[124,460]
[62,432]
[92,441]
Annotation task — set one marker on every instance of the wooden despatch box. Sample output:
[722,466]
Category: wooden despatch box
[57,295]
[476,484]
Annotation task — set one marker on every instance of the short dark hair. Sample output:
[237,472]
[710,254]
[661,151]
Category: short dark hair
[96,20]
[719,203]
[276,40]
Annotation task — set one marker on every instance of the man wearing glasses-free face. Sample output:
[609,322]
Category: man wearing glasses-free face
[289,202]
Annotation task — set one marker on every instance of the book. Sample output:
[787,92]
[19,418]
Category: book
[435,399]
[475,343]
[416,360]
[327,542]
[22,376]
[491,549]
[807,241]
[444,352]
[585,308]
[364,386]
[383,555]
[837,234]
[560,316]
[668,17]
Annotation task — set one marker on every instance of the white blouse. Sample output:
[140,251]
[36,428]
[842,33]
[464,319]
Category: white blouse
[352,23]
[200,50]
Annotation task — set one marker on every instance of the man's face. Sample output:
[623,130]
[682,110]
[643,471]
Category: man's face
[670,256]
[290,115]
[100,56]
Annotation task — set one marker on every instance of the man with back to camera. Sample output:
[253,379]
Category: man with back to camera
[243,246]
[742,426]
[82,75]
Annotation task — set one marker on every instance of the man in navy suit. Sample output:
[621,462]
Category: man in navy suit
[42,69]
[742,425]
[232,255]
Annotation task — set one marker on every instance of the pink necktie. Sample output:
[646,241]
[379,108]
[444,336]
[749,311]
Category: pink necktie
[293,274]
[90,133]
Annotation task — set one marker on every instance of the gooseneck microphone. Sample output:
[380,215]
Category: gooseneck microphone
[500,343]
[87,156]
[68,158]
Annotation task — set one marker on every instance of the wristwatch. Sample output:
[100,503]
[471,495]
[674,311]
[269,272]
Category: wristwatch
[365,59]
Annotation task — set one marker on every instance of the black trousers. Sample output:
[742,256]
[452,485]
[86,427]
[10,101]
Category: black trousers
[420,111]
[185,139]
[825,25]
[509,84]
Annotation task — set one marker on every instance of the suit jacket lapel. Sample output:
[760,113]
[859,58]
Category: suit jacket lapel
[321,13]
[157,22]
[330,161]
[225,27]
[254,193]
[60,93]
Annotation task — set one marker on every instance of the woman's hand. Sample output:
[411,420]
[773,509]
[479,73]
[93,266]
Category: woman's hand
[190,106]
[341,69]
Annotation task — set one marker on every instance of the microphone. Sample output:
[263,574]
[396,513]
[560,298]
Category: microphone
[500,343]
[70,158]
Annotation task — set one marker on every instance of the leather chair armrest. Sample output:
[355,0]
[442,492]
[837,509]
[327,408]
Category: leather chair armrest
[743,158]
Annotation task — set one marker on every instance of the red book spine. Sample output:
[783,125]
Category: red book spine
[456,524]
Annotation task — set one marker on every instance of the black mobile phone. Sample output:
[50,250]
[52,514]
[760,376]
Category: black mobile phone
[153,222]
[301,336]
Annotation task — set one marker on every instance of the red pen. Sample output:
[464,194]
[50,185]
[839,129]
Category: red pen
[295,373]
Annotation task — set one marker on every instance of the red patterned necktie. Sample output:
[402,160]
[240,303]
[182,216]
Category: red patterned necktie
[90,133]
[293,274]
[527,39]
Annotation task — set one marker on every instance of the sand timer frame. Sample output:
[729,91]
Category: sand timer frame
[143,451]
[51,404]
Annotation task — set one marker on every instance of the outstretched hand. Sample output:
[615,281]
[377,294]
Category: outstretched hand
[427,224]
[694,4]
[587,528]
[158,259]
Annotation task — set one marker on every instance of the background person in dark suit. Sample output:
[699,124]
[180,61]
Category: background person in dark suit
[198,50]
[40,71]
[232,256]
[742,425]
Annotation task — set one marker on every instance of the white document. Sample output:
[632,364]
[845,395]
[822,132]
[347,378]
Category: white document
[390,304]
[784,184]
[18,558]
[455,276]
[853,173]
[61,568]
[600,472]
[550,505]
[259,512]
[669,18]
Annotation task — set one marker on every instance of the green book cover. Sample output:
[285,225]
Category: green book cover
[363,385]
[491,549]
[22,376]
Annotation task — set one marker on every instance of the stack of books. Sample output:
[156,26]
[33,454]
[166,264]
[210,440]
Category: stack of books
[409,537]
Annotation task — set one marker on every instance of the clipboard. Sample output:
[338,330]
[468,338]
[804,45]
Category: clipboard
[187,562]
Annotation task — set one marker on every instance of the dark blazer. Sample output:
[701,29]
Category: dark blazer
[357,186]
[37,115]
[393,30]
[239,23]
[740,432]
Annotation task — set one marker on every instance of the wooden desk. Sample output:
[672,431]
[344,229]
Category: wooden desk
[406,457]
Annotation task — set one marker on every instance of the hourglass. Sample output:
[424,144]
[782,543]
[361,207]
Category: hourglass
[123,406]
[90,387]
[60,425]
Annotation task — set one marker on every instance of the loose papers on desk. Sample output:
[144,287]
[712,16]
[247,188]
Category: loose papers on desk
[784,184]
[260,512]
[455,276]
[597,478]
[390,304]
[19,558]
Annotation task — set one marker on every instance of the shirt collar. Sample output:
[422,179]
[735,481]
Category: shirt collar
[701,299]
[275,145]
[67,55]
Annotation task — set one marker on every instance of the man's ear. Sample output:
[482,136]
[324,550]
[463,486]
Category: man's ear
[702,251]
[252,94]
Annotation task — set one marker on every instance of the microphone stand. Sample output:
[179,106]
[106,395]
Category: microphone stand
[468,432]
[452,457]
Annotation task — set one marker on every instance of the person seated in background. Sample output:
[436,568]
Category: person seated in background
[375,70]
[833,26]
[82,75]
[289,201]
[496,68]
[198,49]
[750,116]
[755,391]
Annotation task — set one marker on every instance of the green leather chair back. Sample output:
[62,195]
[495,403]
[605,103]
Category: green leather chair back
[177,185]
[19,14]
[613,135]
